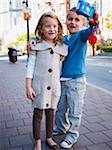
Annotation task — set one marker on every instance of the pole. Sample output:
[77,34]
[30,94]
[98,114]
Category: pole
[27,24]
[27,31]
[93,47]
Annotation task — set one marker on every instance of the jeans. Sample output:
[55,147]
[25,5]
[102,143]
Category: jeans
[70,107]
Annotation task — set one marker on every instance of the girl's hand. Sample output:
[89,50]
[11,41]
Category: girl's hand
[30,93]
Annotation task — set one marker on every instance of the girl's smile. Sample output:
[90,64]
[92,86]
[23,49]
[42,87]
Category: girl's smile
[50,29]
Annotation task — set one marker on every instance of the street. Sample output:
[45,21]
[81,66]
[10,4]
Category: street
[99,72]
[16,112]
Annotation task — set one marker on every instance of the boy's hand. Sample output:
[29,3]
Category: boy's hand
[31,42]
[94,21]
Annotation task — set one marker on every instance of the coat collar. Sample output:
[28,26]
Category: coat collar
[61,49]
[41,46]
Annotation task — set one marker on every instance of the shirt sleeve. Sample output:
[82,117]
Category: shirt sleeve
[31,65]
[85,34]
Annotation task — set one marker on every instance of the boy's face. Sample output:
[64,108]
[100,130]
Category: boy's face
[74,22]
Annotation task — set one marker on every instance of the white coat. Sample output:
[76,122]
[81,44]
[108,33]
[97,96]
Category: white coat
[46,75]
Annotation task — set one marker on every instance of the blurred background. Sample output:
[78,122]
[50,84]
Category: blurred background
[18,19]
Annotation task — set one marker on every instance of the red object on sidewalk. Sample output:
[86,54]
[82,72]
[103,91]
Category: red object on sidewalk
[92,39]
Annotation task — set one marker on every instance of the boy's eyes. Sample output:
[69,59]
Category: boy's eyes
[71,19]
[77,19]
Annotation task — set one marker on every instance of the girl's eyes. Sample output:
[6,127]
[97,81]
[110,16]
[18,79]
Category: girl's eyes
[48,26]
[54,26]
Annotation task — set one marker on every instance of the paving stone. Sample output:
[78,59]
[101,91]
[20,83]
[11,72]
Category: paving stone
[84,130]
[107,124]
[16,115]
[94,127]
[4,143]
[27,121]
[7,117]
[83,141]
[26,109]
[99,147]
[104,111]
[91,113]
[17,148]
[78,148]
[106,117]
[108,133]
[25,130]
[20,116]
[14,123]
[20,140]
[2,125]
[98,137]
[109,144]
[28,147]
[93,119]
[8,132]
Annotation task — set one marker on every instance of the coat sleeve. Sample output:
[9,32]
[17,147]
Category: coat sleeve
[31,64]
[61,50]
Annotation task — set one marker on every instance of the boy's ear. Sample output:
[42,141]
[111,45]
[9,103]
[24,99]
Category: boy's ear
[83,24]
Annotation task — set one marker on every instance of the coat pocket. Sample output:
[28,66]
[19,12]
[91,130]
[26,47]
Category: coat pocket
[57,88]
[36,86]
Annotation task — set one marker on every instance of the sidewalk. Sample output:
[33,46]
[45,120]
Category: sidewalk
[16,114]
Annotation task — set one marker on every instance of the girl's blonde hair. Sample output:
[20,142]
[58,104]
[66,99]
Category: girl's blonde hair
[59,37]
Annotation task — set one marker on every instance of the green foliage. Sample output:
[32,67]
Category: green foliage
[1,45]
[98,46]
[106,49]
[21,42]
[0,50]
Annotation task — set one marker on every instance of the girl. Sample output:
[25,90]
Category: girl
[43,74]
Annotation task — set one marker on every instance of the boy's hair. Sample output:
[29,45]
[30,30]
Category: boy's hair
[59,37]
[74,10]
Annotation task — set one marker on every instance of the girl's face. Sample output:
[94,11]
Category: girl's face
[49,29]
[74,22]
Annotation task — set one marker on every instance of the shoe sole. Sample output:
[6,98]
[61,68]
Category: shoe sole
[68,146]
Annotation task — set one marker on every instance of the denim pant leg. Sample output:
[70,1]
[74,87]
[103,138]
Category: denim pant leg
[75,98]
[61,115]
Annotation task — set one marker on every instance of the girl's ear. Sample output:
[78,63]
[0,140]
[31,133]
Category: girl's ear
[36,33]
[41,30]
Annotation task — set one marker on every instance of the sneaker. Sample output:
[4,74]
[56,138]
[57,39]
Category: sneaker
[67,144]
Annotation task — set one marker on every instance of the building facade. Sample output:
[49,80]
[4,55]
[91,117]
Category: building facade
[12,23]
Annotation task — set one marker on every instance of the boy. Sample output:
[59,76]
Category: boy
[73,80]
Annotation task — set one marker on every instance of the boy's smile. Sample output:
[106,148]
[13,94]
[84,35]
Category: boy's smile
[74,22]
